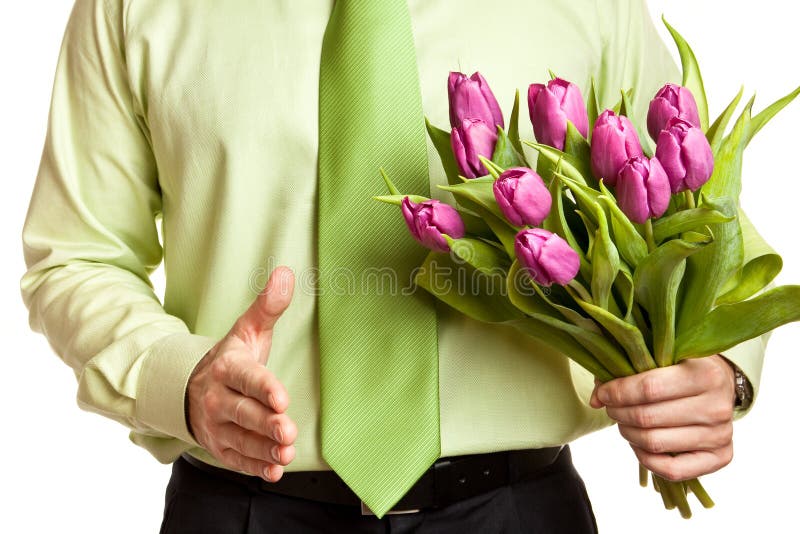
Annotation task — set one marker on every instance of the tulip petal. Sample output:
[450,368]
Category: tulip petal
[668,152]
[460,153]
[658,189]
[549,121]
[559,260]
[632,195]
[697,158]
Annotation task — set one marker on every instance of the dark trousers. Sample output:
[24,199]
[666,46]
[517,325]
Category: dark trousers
[553,502]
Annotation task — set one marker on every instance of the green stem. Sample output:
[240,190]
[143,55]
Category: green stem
[700,492]
[689,197]
[648,235]
[676,495]
[642,476]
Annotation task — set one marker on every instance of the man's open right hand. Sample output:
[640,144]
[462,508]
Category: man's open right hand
[236,405]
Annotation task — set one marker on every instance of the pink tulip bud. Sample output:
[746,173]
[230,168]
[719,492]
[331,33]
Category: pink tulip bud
[546,257]
[471,98]
[472,139]
[671,101]
[614,141]
[428,220]
[522,196]
[643,189]
[684,152]
[550,108]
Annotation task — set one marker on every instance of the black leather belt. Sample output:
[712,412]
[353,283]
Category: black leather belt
[447,481]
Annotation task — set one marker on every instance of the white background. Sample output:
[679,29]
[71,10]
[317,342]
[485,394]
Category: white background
[69,471]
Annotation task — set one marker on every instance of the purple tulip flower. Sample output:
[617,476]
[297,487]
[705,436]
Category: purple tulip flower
[551,106]
[614,141]
[428,220]
[522,196]
[471,139]
[643,189]
[547,258]
[671,101]
[471,98]
[684,152]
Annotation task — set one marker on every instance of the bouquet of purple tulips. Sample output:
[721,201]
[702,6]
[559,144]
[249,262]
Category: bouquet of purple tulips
[622,258]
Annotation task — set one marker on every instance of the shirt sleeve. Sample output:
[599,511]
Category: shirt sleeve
[90,243]
[635,57]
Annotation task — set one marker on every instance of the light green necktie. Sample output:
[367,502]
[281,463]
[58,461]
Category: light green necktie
[378,347]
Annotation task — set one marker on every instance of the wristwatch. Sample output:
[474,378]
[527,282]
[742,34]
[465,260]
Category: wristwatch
[743,389]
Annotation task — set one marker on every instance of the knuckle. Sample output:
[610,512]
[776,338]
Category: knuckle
[721,412]
[238,441]
[219,368]
[211,403]
[642,417]
[651,388]
[653,443]
[239,411]
[715,375]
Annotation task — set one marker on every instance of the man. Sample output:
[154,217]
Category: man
[205,114]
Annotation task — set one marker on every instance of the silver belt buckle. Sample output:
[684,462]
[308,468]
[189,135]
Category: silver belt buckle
[366,511]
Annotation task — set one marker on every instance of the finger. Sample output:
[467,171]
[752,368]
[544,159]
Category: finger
[252,466]
[656,385]
[254,380]
[250,414]
[686,465]
[594,401]
[679,439]
[256,323]
[699,410]
[255,445]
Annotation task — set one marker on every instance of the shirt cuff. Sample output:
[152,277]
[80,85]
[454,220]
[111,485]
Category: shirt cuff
[749,357]
[163,380]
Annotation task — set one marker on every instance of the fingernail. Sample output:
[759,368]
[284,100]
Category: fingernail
[279,434]
[271,399]
[266,474]
[603,396]
[276,453]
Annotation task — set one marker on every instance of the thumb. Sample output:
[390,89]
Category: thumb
[255,325]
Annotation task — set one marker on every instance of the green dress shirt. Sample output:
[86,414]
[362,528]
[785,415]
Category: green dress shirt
[201,116]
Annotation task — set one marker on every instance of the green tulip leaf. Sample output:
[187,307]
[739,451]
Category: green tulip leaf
[505,155]
[522,294]
[754,276]
[626,334]
[398,199]
[441,142]
[730,324]
[624,288]
[485,258]
[570,165]
[556,222]
[716,132]
[573,316]
[478,191]
[606,352]
[708,271]
[686,220]
[475,225]
[591,229]
[632,246]
[656,283]
[563,342]
[592,106]
[692,79]
[513,129]
[461,286]
[760,120]
[605,265]
[578,148]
